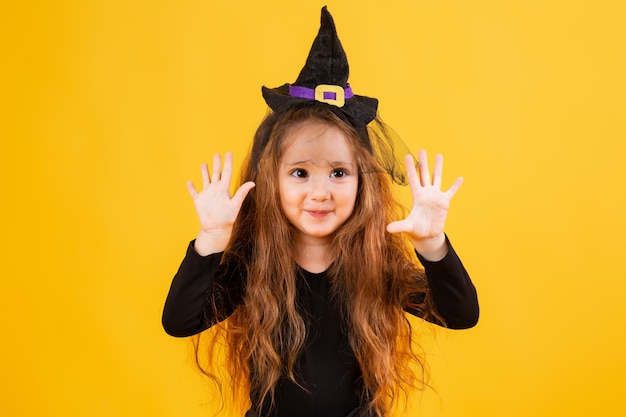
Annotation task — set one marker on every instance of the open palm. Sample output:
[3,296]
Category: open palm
[217,210]
[430,204]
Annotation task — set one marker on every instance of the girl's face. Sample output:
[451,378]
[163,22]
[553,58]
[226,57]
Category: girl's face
[318,180]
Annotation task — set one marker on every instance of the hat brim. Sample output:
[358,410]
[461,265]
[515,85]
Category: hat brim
[361,109]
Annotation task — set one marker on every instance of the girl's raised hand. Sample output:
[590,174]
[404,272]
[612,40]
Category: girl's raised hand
[425,223]
[217,210]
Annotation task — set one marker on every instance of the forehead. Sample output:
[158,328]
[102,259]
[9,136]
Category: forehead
[313,140]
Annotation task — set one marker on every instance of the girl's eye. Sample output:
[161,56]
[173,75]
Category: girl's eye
[338,173]
[299,173]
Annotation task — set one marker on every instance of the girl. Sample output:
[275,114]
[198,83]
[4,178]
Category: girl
[306,267]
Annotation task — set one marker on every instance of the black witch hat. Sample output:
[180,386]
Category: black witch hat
[324,78]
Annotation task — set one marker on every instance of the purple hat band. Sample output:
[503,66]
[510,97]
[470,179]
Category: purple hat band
[331,94]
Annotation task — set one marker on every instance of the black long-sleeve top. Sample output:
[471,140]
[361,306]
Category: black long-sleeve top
[327,366]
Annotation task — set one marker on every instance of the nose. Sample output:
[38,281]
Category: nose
[319,190]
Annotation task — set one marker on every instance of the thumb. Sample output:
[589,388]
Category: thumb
[399,226]
[242,192]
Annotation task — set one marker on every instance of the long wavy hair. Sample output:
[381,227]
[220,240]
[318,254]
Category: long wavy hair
[374,278]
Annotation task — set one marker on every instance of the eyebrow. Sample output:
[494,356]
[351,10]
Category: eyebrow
[309,161]
[340,163]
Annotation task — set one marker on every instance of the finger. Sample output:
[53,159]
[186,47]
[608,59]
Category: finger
[455,187]
[422,165]
[411,173]
[242,192]
[398,226]
[228,167]
[192,190]
[438,171]
[217,167]
[206,180]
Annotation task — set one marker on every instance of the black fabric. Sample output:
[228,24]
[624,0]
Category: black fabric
[357,412]
[326,64]
[327,367]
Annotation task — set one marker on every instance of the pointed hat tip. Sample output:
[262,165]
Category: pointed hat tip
[326,64]
[326,17]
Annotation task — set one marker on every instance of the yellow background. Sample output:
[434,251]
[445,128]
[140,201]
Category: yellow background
[109,106]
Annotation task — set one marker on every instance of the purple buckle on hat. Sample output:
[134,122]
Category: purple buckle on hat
[326,93]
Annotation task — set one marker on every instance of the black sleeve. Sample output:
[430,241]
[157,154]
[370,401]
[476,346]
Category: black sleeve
[199,287]
[452,290]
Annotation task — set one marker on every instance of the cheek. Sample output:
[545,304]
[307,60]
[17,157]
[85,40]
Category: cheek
[288,197]
[281,195]
[283,199]
[351,195]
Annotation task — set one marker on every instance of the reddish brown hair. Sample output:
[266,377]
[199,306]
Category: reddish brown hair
[374,277]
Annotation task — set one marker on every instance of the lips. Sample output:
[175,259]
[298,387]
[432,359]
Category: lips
[318,214]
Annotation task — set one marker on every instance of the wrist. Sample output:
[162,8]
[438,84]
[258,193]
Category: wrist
[432,249]
[214,241]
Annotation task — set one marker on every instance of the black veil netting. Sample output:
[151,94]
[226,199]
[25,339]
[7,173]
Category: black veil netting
[389,149]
